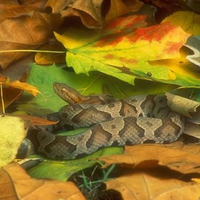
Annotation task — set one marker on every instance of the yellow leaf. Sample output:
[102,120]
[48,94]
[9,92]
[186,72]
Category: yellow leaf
[12,132]
[188,21]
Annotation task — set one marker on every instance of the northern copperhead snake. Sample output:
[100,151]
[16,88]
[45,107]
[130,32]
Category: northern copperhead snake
[112,122]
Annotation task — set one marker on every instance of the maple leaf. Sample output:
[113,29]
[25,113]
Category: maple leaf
[124,49]
[189,18]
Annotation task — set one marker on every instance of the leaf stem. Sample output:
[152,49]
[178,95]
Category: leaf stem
[30,50]
[2,101]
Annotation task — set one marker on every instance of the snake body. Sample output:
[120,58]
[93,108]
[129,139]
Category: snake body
[111,122]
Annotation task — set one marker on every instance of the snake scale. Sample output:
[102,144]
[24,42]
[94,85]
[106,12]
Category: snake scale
[111,122]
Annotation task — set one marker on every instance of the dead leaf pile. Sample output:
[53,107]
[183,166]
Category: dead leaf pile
[115,48]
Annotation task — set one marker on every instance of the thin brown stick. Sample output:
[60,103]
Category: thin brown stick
[2,101]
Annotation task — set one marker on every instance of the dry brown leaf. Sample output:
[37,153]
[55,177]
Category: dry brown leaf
[32,120]
[188,108]
[192,129]
[152,155]
[90,11]
[29,189]
[13,90]
[182,105]
[163,4]
[11,10]
[23,86]
[9,96]
[119,7]
[51,58]
[22,29]
[58,6]
[35,121]
[7,190]
[153,184]
[152,171]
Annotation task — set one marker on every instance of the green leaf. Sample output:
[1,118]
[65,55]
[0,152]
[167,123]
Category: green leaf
[62,170]
[97,83]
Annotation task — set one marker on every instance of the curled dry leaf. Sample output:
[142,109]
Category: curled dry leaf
[119,8]
[182,105]
[13,90]
[188,108]
[90,11]
[23,86]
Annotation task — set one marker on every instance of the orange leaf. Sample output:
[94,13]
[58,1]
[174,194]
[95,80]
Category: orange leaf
[23,86]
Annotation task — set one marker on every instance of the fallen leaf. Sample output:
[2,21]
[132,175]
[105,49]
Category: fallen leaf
[193,43]
[92,12]
[11,91]
[13,131]
[7,190]
[181,105]
[189,18]
[184,71]
[63,169]
[119,8]
[32,120]
[14,10]
[23,86]
[88,11]
[116,50]
[28,189]
[50,58]
[9,96]
[156,183]
[151,155]
[192,129]
[23,27]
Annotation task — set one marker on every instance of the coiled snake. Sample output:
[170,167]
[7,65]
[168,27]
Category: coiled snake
[111,122]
